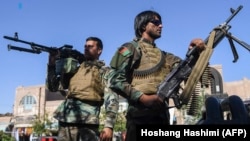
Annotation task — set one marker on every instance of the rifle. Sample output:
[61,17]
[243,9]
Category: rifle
[66,51]
[191,68]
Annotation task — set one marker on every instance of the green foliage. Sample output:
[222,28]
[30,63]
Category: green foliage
[6,137]
[120,124]
[40,126]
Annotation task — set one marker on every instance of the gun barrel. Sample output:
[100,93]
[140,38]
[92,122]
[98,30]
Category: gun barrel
[10,47]
[10,38]
[66,51]
[25,42]
[234,12]
[17,40]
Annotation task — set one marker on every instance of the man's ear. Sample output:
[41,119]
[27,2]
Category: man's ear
[144,27]
[99,51]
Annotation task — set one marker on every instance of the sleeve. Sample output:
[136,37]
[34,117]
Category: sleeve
[56,82]
[111,105]
[123,63]
[172,60]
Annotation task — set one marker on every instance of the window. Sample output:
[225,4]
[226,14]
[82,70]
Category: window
[28,101]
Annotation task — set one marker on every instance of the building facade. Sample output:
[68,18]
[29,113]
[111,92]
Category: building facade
[33,103]
[37,102]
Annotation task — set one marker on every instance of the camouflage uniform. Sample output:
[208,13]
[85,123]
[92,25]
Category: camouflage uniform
[80,118]
[131,81]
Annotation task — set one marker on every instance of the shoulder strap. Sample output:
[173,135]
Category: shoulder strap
[136,45]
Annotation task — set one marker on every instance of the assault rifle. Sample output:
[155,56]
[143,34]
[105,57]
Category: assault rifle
[66,51]
[193,65]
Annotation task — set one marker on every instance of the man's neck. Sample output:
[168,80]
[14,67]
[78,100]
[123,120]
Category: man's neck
[148,41]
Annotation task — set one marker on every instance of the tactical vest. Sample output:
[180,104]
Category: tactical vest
[87,83]
[152,68]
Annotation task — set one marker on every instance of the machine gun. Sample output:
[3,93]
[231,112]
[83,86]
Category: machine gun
[66,51]
[191,68]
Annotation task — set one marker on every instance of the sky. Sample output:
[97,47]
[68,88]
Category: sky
[54,23]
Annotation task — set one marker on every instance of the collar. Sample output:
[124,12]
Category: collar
[145,40]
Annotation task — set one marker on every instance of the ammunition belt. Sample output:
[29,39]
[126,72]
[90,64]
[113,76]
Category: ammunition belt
[151,70]
[198,70]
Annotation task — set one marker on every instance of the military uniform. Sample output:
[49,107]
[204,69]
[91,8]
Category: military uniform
[78,115]
[139,67]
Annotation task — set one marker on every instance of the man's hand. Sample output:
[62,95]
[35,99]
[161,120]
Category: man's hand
[151,100]
[106,134]
[197,42]
[52,58]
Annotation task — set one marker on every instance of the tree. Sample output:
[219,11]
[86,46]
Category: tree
[40,126]
[6,137]
[120,124]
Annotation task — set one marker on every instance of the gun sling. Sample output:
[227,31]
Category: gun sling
[198,69]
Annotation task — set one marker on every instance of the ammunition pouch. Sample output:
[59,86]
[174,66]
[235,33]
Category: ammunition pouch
[66,66]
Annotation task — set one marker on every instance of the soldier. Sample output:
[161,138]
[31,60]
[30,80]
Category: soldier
[139,66]
[78,115]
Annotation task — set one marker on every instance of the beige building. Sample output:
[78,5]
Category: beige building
[239,87]
[4,121]
[37,102]
[32,103]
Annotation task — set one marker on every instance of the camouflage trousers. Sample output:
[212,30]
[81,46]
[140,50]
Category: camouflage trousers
[78,133]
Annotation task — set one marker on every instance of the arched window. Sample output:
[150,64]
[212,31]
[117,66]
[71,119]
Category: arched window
[27,102]
[216,82]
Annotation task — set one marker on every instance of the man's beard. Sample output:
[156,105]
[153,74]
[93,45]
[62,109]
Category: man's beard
[154,36]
